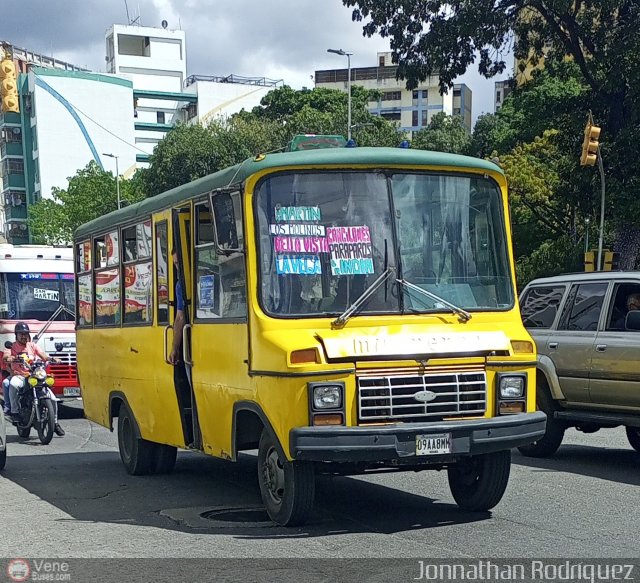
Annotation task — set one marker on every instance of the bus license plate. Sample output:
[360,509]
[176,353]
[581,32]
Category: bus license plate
[434,444]
[71,391]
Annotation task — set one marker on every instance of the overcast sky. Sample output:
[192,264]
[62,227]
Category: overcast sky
[279,39]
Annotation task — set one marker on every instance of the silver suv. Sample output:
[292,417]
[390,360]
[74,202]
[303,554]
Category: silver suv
[587,330]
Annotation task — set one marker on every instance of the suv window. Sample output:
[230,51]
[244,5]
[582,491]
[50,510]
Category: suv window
[625,298]
[583,307]
[540,305]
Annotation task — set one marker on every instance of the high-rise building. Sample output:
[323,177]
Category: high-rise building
[155,61]
[411,110]
[501,91]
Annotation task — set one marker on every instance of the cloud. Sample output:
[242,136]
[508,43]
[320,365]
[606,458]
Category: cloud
[279,39]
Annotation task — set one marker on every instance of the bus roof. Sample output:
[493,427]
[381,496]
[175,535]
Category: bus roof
[9,252]
[237,174]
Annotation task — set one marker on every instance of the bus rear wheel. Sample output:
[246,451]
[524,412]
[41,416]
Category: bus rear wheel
[137,454]
[287,488]
[478,483]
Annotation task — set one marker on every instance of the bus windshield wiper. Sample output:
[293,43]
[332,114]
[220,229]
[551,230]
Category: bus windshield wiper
[463,314]
[343,318]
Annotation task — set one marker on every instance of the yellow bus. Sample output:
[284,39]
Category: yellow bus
[348,310]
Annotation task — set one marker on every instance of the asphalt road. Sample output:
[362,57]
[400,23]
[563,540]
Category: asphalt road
[74,499]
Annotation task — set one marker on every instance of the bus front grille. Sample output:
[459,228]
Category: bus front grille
[391,397]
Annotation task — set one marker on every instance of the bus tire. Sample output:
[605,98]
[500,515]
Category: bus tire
[287,488]
[633,435]
[479,482]
[137,454]
[549,443]
[164,458]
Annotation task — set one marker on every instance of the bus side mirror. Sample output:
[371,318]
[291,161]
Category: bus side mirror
[226,213]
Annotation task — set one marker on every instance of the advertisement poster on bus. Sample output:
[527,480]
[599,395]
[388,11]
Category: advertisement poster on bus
[84,299]
[137,292]
[107,293]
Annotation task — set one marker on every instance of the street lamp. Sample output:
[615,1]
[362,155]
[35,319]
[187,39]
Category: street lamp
[348,55]
[117,175]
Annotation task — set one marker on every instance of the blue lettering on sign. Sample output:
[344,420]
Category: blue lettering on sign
[298,213]
[298,264]
[351,266]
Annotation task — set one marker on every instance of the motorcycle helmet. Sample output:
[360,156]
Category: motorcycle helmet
[22,327]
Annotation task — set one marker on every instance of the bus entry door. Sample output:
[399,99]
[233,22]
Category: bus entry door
[183,370]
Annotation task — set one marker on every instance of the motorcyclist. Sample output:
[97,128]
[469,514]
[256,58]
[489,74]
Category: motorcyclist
[23,345]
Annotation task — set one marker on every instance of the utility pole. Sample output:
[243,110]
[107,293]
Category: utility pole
[348,55]
[117,176]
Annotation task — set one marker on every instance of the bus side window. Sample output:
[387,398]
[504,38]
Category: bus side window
[220,277]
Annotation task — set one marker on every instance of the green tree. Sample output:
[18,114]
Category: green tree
[598,41]
[444,133]
[187,152]
[91,193]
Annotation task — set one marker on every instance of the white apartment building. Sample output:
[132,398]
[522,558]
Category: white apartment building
[155,60]
[412,110]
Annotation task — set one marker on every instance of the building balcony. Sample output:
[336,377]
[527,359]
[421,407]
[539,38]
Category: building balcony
[10,149]
[15,212]
[13,181]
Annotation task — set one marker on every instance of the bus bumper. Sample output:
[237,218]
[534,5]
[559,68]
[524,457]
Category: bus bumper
[398,441]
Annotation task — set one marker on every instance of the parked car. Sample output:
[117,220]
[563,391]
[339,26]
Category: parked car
[587,330]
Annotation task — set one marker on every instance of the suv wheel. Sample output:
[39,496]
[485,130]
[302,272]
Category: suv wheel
[549,443]
[633,435]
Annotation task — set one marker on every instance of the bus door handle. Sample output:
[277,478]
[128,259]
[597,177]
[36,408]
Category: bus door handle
[166,343]
[186,347]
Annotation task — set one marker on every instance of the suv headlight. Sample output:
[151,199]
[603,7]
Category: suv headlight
[327,397]
[512,387]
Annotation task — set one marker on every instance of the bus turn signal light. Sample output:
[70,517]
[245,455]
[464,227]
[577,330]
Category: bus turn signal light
[327,419]
[522,346]
[511,408]
[304,356]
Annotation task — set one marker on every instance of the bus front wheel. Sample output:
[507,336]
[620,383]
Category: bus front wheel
[287,488]
[479,482]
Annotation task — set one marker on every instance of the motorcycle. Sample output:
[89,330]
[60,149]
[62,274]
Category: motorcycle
[36,408]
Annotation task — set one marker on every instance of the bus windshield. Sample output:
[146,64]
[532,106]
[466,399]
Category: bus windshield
[36,296]
[325,237]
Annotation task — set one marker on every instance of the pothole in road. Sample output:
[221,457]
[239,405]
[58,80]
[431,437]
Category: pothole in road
[208,518]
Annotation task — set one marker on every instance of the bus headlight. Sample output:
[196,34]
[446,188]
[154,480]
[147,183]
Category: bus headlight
[327,397]
[512,387]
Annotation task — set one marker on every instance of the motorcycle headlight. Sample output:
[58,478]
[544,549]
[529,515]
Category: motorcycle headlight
[40,374]
[49,381]
[33,381]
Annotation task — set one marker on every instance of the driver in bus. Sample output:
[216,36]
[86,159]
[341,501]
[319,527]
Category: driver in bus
[22,345]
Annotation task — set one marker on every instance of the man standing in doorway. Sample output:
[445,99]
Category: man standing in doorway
[180,319]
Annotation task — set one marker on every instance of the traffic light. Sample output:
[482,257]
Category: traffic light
[9,87]
[590,145]
[611,261]
[590,261]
